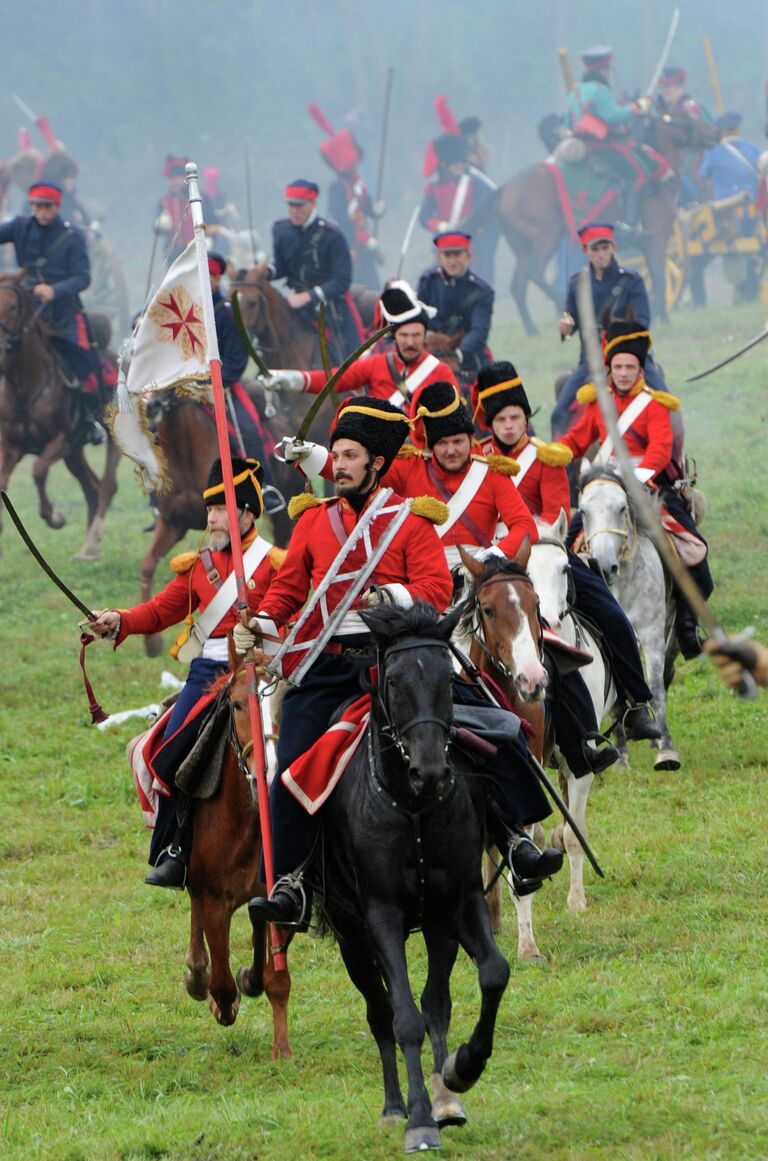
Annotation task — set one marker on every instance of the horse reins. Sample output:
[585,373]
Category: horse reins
[478,626]
[629,547]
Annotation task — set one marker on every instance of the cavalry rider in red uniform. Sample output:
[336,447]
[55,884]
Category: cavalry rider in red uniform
[365,438]
[501,404]
[645,425]
[313,257]
[54,255]
[462,300]
[350,204]
[204,581]
[460,197]
[393,375]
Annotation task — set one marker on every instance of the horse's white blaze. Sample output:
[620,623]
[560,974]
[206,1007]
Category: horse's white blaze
[530,673]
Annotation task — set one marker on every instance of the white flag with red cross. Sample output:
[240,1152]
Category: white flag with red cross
[169,351]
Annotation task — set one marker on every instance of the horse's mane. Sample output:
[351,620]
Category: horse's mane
[389,622]
[493,566]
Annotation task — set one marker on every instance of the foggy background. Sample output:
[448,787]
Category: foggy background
[125,84]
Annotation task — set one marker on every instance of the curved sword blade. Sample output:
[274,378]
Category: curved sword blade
[724,362]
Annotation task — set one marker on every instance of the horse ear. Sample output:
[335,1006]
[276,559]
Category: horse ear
[560,527]
[523,552]
[260,269]
[473,566]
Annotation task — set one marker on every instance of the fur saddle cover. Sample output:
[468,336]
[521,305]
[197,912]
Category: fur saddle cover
[192,759]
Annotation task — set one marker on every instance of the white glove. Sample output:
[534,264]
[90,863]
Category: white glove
[643,104]
[378,208]
[290,451]
[644,474]
[284,381]
[441,226]
[244,637]
[163,223]
[487,553]
[374,597]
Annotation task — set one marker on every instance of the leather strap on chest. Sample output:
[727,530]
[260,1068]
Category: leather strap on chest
[464,517]
[211,572]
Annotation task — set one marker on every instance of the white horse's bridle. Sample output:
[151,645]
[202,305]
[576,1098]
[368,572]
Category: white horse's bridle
[629,535]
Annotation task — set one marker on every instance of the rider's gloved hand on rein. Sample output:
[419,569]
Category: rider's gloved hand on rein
[106,624]
[378,596]
[246,637]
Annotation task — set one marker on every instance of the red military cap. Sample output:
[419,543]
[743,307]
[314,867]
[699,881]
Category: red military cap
[45,191]
[341,151]
[452,240]
[672,75]
[301,190]
[595,232]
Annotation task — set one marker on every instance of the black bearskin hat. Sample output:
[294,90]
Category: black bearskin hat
[247,476]
[439,407]
[498,386]
[375,423]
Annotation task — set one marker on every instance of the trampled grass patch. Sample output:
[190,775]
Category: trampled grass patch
[642,1037]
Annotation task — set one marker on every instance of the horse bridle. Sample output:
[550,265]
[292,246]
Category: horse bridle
[388,729]
[478,625]
[627,550]
[261,301]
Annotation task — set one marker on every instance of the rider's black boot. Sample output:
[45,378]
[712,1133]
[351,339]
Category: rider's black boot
[687,632]
[529,865]
[170,870]
[639,726]
[288,905]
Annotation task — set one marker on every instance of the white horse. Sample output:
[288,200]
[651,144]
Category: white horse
[633,569]
[548,568]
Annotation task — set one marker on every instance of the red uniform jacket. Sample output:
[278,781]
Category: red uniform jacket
[544,489]
[190,589]
[373,376]
[496,499]
[413,560]
[649,439]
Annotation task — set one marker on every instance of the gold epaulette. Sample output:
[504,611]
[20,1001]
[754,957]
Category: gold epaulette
[671,402]
[409,450]
[183,562]
[305,500]
[554,455]
[503,465]
[586,394]
[276,556]
[430,509]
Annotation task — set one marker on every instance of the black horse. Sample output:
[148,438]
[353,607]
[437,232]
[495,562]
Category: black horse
[404,834]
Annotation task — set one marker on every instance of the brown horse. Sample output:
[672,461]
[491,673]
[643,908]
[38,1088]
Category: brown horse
[531,218]
[224,875]
[39,414]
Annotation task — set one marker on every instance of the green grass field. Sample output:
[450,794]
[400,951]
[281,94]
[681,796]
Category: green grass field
[644,1036]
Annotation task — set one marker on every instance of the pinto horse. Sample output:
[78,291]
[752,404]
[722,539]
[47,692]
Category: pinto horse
[224,873]
[549,570]
[632,567]
[39,415]
[531,217]
[403,838]
[501,630]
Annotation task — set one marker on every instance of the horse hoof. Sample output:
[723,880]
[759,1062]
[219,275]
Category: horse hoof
[533,956]
[55,520]
[244,985]
[667,760]
[197,987]
[87,554]
[446,1106]
[451,1077]
[421,1139]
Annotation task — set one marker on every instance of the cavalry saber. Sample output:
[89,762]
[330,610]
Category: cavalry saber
[724,362]
[664,53]
[245,338]
[383,145]
[42,561]
[407,240]
[475,673]
[634,488]
[309,418]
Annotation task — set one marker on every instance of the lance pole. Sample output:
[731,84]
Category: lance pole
[713,76]
[635,490]
[249,202]
[383,145]
[220,412]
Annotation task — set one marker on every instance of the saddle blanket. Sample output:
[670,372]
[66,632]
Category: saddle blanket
[691,548]
[313,776]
